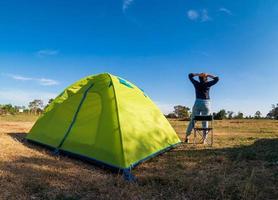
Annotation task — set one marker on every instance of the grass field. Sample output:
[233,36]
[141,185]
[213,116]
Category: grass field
[243,164]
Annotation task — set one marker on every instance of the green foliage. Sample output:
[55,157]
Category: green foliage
[222,114]
[182,112]
[171,116]
[9,109]
[239,115]
[49,102]
[273,114]
[258,115]
[230,114]
[36,106]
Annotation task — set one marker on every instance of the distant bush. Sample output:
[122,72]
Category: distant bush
[182,112]
[258,115]
[172,116]
[222,114]
[9,109]
[35,107]
[239,115]
[273,114]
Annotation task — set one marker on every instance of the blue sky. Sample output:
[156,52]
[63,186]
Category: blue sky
[45,46]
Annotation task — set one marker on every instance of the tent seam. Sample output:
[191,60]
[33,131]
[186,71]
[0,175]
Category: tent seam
[161,151]
[75,116]
[118,116]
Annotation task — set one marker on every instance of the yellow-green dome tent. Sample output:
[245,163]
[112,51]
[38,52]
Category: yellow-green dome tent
[106,119]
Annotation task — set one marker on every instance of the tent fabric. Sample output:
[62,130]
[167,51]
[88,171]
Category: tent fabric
[107,119]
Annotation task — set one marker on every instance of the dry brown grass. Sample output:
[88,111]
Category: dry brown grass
[243,164]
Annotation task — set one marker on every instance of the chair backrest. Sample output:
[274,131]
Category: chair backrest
[203,118]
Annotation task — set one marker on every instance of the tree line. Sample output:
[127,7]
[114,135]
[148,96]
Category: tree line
[183,112]
[35,107]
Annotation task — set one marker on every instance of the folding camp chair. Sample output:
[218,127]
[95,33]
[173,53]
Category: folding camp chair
[203,135]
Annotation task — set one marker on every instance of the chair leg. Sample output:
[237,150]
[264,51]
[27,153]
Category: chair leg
[212,133]
[212,137]
[195,137]
[205,135]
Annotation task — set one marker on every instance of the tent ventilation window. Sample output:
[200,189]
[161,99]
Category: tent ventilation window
[125,83]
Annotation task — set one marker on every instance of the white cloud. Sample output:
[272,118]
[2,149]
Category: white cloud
[201,15]
[225,10]
[47,52]
[20,97]
[47,82]
[20,78]
[193,14]
[40,81]
[126,4]
[204,16]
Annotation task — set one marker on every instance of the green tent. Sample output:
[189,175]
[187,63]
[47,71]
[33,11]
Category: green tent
[106,119]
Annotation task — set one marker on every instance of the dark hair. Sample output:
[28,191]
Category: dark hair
[202,79]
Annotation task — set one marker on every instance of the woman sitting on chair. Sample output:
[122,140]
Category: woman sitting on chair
[202,103]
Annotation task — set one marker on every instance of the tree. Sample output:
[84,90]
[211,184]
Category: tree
[239,115]
[8,109]
[258,115]
[36,106]
[182,111]
[222,114]
[49,102]
[273,114]
[171,116]
[230,114]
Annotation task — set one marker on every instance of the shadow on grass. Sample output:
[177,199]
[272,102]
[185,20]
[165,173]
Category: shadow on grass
[243,172]
[21,137]
[261,150]
[47,178]
[28,175]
